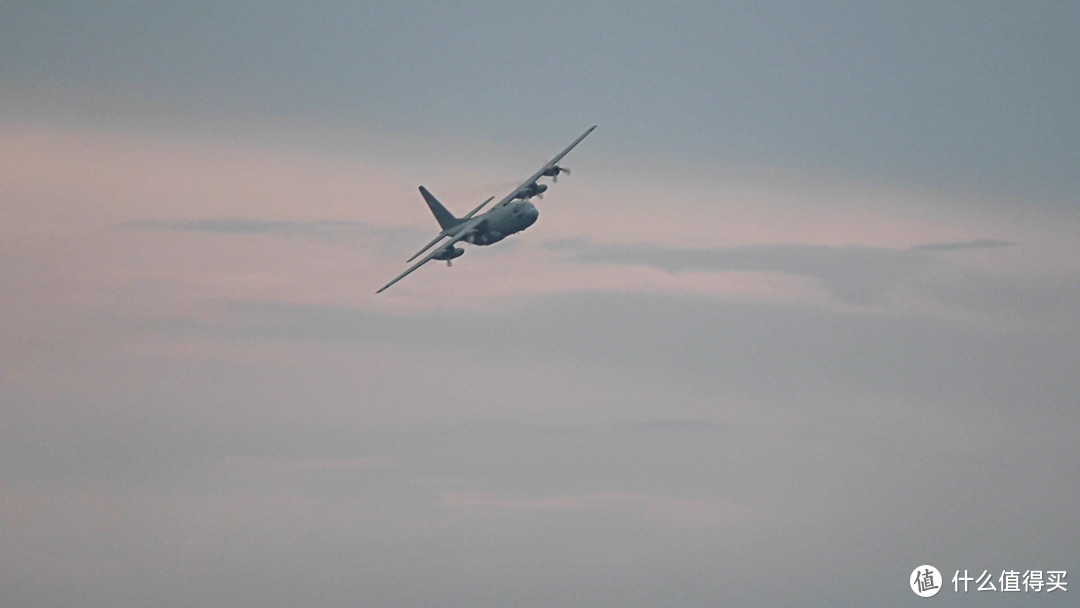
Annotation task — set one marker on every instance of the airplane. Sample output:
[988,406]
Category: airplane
[510,215]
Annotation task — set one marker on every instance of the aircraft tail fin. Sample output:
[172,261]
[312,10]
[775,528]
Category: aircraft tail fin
[444,217]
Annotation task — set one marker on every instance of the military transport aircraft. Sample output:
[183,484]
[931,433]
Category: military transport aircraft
[511,215]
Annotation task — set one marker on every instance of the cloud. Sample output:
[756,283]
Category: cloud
[734,348]
[321,229]
[675,510]
[225,374]
[249,226]
[856,275]
[671,425]
[915,280]
[961,245]
[355,453]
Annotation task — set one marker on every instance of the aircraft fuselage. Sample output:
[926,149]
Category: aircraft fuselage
[502,221]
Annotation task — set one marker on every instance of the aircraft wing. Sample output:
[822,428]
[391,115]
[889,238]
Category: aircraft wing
[551,163]
[441,236]
[463,231]
[478,208]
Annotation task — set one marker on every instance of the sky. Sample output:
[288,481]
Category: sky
[802,318]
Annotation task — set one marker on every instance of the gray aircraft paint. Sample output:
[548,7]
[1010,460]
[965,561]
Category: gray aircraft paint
[510,215]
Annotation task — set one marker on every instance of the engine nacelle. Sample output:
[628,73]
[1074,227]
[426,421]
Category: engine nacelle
[448,253]
[555,171]
[531,190]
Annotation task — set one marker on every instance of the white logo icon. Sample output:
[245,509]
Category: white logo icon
[925,581]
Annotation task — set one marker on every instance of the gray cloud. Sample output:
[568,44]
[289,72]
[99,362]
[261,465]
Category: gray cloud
[326,229]
[759,436]
[852,90]
[249,226]
[864,276]
[386,239]
[671,425]
[854,274]
[737,344]
[961,245]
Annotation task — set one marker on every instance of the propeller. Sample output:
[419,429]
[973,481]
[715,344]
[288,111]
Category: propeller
[553,172]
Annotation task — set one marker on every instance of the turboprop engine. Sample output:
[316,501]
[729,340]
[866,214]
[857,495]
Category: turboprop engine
[554,172]
[448,253]
[531,190]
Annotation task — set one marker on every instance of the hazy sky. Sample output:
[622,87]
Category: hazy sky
[803,318]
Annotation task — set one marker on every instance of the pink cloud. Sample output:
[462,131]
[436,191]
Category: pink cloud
[73,244]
